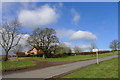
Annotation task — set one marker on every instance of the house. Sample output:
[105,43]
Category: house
[34,51]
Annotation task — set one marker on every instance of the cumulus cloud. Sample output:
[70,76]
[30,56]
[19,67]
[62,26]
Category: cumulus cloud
[64,33]
[11,10]
[23,42]
[75,17]
[43,16]
[76,35]
[83,35]
[24,38]
[67,44]
[84,47]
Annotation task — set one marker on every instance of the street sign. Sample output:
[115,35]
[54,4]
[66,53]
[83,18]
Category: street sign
[96,50]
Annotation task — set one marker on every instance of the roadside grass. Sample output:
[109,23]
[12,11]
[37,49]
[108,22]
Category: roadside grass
[67,58]
[106,69]
[26,61]
[16,64]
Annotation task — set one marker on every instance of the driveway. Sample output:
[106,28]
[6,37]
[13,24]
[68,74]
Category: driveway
[55,70]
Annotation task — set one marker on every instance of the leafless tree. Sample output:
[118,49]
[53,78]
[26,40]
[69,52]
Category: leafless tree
[17,49]
[9,37]
[92,46]
[62,49]
[77,49]
[44,39]
[114,45]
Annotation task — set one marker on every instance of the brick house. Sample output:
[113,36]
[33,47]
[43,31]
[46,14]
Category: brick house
[34,51]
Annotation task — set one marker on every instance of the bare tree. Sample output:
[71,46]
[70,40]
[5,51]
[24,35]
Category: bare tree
[44,39]
[63,49]
[17,49]
[114,45]
[77,49]
[9,38]
[92,46]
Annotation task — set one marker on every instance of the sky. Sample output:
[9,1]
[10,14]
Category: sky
[76,23]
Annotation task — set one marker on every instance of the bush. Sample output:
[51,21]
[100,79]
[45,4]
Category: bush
[101,52]
[38,55]
[20,54]
[90,53]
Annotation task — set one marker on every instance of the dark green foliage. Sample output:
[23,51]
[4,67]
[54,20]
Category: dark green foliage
[91,53]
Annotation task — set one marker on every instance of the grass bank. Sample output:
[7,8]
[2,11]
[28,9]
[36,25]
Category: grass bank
[106,69]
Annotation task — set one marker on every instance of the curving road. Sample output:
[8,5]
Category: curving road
[55,70]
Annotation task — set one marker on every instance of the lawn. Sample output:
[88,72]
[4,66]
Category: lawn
[68,58]
[106,69]
[16,64]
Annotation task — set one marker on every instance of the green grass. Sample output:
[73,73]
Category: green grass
[68,58]
[106,69]
[16,64]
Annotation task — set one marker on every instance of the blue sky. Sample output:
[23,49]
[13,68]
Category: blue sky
[76,23]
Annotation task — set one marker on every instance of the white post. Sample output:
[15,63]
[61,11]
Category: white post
[43,56]
[96,50]
[97,57]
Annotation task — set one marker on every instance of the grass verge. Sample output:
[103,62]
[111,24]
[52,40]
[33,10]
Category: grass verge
[68,58]
[106,69]
[16,64]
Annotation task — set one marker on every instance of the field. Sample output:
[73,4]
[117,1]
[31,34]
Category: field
[68,58]
[106,69]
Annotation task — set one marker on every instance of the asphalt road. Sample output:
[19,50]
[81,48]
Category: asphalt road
[55,70]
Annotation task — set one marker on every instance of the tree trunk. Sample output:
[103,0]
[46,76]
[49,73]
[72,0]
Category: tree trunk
[6,56]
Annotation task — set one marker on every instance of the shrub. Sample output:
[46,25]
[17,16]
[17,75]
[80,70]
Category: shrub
[90,53]
[20,54]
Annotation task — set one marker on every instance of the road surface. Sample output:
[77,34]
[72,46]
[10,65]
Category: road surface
[55,70]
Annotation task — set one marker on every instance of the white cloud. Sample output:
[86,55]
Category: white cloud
[64,33]
[76,35]
[23,39]
[84,47]
[23,42]
[43,16]
[8,9]
[67,44]
[83,35]
[75,17]
[71,45]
